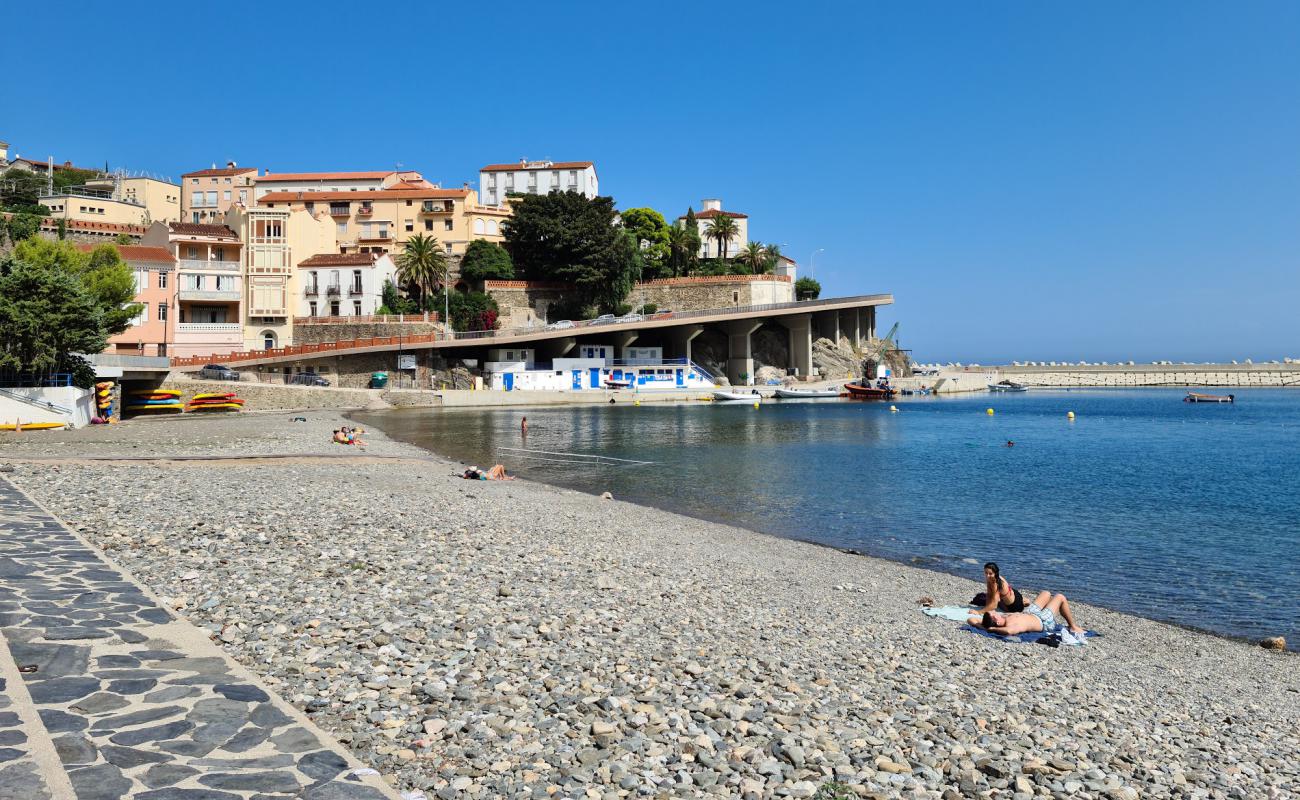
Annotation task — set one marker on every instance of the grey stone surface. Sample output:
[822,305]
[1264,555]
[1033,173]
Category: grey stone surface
[100,782]
[162,775]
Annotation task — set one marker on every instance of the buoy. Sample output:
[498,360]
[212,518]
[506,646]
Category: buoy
[988,411]
[755,405]
[894,409]
[1069,415]
[636,402]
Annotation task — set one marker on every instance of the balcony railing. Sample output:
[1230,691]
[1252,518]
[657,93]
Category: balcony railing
[340,211]
[435,207]
[196,264]
[355,290]
[311,291]
[209,327]
[375,236]
[365,210]
[223,295]
[332,291]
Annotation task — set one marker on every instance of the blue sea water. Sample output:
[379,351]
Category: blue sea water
[1187,513]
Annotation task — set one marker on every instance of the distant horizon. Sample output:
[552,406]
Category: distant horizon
[1103,182]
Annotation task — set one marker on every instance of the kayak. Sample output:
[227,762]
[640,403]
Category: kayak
[155,401]
[155,392]
[212,395]
[32,426]
[177,408]
[216,407]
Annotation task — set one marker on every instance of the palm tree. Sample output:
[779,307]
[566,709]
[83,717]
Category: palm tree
[773,256]
[681,246]
[755,257]
[422,264]
[721,228]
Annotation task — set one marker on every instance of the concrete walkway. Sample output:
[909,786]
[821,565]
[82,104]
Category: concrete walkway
[105,695]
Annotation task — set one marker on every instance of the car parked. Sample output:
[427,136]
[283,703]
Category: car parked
[216,372]
[560,325]
[633,317]
[604,319]
[308,379]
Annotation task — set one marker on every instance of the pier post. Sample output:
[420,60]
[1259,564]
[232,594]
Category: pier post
[799,327]
[740,356]
[681,339]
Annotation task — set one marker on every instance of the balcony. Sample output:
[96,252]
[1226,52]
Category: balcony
[343,210]
[209,295]
[198,264]
[438,207]
[365,210]
[332,291]
[311,291]
[375,236]
[209,327]
[355,290]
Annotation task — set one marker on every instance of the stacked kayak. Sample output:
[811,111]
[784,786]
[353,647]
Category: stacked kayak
[104,401]
[32,426]
[155,401]
[215,401]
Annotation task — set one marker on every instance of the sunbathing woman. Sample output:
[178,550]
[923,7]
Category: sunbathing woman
[1040,615]
[998,593]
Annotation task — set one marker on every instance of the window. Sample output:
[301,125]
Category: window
[428,224]
[408,202]
[356,308]
[340,209]
[162,312]
[226,194]
[218,254]
[192,283]
[446,224]
[342,229]
[212,198]
[162,280]
[192,252]
[334,308]
[356,281]
[142,317]
[311,308]
[448,248]
[227,181]
[410,226]
[243,196]
[225,283]
[194,216]
[194,181]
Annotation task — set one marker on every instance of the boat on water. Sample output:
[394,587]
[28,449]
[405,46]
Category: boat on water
[863,392]
[722,396]
[1195,397]
[615,383]
[795,394]
[1007,386]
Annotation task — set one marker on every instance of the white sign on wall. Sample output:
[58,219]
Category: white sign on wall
[406,362]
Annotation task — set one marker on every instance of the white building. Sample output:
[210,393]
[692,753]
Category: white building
[338,181]
[343,284]
[497,181]
[712,209]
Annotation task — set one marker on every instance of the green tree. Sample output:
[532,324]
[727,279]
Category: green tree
[422,265]
[807,289]
[473,311]
[22,226]
[721,229]
[394,302]
[102,272]
[68,177]
[47,317]
[20,190]
[123,238]
[773,256]
[682,248]
[754,258]
[486,261]
[692,226]
[570,238]
[650,233]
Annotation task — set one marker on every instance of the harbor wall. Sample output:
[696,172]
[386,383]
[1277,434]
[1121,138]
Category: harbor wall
[277,397]
[1122,375]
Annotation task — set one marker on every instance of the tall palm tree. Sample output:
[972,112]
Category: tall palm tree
[773,257]
[721,228]
[754,256]
[681,246]
[422,264]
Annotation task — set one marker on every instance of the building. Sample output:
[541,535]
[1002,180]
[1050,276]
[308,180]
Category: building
[209,286]
[4,154]
[337,181]
[155,289]
[497,181]
[709,246]
[117,199]
[343,284]
[209,193]
[382,220]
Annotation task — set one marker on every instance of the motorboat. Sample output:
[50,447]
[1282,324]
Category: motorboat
[723,396]
[1194,397]
[804,394]
[618,383]
[1007,386]
[861,391]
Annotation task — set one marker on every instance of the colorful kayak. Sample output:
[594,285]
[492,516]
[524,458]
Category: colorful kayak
[216,407]
[176,409]
[155,393]
[212,395]
[32,426]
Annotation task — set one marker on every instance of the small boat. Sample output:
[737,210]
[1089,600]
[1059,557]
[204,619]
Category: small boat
[796,394]
[1194,397]
[618,383]
[737,397]
[32,426]
[863,392]
[1007,386]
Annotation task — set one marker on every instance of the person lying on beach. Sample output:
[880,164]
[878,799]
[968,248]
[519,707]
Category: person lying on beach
[340,437]
[998,594]
[1040,615]
[497,473]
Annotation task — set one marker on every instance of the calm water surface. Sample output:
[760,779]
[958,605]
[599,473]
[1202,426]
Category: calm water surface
[1179,512]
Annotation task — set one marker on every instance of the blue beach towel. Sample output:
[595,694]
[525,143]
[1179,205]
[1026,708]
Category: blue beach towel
[954,613]
[1027,638]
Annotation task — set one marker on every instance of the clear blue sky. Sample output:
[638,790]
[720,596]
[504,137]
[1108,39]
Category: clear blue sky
[1102,180]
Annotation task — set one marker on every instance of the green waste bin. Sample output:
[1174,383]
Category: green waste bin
[378,380]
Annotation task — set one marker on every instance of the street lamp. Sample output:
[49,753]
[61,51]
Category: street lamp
[812,262]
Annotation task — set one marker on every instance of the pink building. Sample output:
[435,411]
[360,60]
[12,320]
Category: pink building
[155,288]
[209,286]
[208,194]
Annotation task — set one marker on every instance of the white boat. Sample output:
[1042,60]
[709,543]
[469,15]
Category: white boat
[794,394]
[1007,386]
[737,397]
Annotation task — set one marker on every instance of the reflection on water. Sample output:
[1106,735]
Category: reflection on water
[1144,503]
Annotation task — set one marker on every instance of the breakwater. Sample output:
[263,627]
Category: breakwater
[1126,375]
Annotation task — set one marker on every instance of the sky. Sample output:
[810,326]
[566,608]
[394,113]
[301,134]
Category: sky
[1030,180]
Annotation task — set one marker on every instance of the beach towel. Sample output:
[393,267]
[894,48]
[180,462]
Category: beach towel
[1057,639]
[954,613]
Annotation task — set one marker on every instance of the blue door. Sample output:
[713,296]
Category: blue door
[509,381]
[577,379]
[681,381]
[595,377]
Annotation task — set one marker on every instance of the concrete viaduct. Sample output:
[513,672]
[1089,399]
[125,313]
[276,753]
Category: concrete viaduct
[853,318]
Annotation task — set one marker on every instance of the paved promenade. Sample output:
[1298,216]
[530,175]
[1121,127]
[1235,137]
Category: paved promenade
[104,695]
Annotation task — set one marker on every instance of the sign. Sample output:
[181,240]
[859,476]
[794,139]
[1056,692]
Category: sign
[406,362]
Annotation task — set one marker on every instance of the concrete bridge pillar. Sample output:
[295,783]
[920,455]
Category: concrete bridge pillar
[624,339]
[799,327]
[828,325]
[740,355]
[681,339]
[870,312]
[557,348]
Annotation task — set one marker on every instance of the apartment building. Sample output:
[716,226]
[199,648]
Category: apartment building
[161,199]
[155,289]
[343,284]
[498,181]
[209,286]
[118,200]
[273,182]
[709,248]
[382,220]
[209,193]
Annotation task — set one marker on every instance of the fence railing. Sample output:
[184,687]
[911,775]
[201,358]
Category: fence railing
[426,317]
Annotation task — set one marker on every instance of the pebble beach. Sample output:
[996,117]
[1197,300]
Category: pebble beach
[483,639]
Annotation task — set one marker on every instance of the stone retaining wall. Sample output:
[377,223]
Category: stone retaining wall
[270,397]
[309,333]
[1118,377]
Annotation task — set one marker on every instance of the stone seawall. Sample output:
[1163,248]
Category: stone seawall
[270,396]
[309,333]
[1119,376]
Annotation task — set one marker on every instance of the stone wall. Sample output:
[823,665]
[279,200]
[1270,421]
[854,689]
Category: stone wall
[1153,375]
[314,333]
[525,303]
[271,396]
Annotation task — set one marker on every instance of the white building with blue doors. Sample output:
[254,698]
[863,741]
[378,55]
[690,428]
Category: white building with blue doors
[594,368]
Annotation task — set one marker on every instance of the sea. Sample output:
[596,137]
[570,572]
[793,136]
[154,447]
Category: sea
[1185,513]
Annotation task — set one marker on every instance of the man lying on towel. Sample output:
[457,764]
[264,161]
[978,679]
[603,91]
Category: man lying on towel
[1039,615]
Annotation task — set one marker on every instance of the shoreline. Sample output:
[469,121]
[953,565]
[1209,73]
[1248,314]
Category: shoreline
[495,639]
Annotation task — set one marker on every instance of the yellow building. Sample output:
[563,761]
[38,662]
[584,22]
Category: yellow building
[118,200]
[382,220]
[87,206]
[161,200]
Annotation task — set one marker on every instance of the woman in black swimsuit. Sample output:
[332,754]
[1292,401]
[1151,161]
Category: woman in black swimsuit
[998,594]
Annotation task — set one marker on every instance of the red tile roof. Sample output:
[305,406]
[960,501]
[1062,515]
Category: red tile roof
[136,252]
[200,229]
[218,172]
[712,212]
[554,165]
[341,260]
[325,176]
[373,194]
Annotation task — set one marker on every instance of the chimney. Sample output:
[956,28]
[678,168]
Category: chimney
[711,204]
[230,165]
[523,162]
